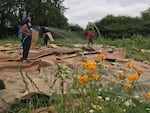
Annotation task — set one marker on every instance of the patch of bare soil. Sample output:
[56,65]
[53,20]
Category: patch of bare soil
[23,80]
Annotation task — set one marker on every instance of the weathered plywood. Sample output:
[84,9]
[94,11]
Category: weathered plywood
[50,36]
[35,35]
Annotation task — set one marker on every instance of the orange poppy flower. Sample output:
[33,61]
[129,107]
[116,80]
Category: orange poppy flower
[129,64]
[139,71]
[122,76]
[102,57]
[83,79]
[133,78]
[84,64]
[91,66]
[148,95]
[95,76]
[127,85]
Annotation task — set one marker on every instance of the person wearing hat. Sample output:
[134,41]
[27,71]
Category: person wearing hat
[26,32]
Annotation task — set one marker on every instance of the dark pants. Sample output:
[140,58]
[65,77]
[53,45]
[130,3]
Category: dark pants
[45,40]
[90,41]
[2,85]
[26,43]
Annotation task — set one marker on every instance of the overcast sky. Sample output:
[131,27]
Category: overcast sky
[83,11]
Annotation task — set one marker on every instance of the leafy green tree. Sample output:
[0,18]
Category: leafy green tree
[119,27]
[8,17]
[146,14]
[48,13]
[76,30]
[122,26]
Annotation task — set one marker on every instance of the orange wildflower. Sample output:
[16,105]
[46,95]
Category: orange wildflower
[91,66]
[127,85]
[95,76]
[84,64]
[129,64]
[102,57]
[133,78]
[139,71]
[122,76]
[83,79]
[148,95]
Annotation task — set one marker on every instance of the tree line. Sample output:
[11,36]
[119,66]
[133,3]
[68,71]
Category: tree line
[51,13]
[40,12]
[123,26]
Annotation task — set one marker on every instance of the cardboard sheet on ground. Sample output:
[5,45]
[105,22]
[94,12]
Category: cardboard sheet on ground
[69,57]
[14,66]
[50,36]
[3,55]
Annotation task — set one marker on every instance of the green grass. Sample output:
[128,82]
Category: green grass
[10,40]
[132,45]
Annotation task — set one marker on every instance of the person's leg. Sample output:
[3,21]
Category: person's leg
[26,48]
[46,41]
[2,85]
[91,41]
[47,38]
[88,42]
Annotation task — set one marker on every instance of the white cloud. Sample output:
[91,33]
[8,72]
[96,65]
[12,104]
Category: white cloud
[83,11]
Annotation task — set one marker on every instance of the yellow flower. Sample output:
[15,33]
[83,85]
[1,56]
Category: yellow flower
[83,79]
[139,71]
[95,76]
[91,66]
[148,95]
[122,76]
[133,78]
[84,64]
[127,85]
[102,57]
[97,107]
[129,64]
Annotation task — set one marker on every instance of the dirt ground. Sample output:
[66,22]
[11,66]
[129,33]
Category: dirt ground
[40,72]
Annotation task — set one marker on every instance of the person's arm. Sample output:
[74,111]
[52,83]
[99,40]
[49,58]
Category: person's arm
[24,29]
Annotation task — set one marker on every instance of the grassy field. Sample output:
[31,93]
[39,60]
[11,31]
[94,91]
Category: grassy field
[132,45]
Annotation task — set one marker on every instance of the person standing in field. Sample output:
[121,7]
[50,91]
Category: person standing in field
[45,39]
[26,32]
[90,36]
